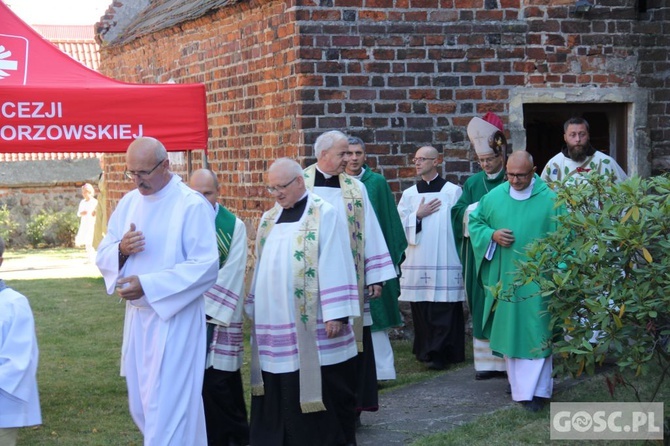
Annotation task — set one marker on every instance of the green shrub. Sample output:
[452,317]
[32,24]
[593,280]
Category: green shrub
[607,269]
[52,229]
[8,225]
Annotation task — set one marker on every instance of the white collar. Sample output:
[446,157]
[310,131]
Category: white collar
[524,194]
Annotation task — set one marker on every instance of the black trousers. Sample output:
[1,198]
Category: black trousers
[439,331]
[225,409]
[276,418]
[367,395]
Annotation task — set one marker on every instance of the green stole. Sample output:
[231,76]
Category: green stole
[306,299]
[225,228]
[353,204]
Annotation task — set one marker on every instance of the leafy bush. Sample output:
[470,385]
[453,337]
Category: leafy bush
[52,229]
[607,269]
[8,225]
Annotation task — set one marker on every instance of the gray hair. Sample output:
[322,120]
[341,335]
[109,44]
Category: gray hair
[356,141]
[288,165]
[327,140]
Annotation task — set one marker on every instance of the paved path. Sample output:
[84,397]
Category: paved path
[437,405]
[28,267]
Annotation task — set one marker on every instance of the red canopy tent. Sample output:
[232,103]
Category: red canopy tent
[51,103]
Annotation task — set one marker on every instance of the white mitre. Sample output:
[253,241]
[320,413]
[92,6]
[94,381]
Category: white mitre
[481,135]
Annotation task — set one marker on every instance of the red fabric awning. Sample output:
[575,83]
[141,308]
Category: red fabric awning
[49,102]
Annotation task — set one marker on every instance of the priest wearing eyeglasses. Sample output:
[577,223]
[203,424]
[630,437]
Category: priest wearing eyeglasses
[303,364]
[490,146]
[507,219]
[160,256]
[432,280]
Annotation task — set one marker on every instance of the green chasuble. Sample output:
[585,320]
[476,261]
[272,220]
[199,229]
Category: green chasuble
[384,310]
[474,189]
[518,328]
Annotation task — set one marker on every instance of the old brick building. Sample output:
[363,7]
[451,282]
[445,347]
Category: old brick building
[400,73]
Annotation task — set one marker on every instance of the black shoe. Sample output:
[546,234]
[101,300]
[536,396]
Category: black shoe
[534,405]
[508,390]
[489,374]
[437,365]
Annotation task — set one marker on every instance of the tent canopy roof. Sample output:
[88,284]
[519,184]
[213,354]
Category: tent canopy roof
[49,102]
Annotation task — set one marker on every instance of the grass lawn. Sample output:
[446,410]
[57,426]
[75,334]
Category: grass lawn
[84,400]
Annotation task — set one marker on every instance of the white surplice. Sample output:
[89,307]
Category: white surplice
[163,352]
[224,303]
[271,303]
[19,398]
[378,263]
[432,270]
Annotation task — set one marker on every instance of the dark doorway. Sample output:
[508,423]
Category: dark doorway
[544,129]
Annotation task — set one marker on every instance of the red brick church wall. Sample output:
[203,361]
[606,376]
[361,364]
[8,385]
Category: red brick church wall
[278,73]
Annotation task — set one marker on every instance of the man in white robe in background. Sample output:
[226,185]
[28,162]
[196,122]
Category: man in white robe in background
[222,391]
[432,279]
[303,293]
[372,259]
[160,256]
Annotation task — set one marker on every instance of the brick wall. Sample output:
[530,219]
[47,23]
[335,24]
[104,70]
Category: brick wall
[279,73]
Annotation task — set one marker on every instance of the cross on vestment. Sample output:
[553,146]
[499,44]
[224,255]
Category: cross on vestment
[425,277]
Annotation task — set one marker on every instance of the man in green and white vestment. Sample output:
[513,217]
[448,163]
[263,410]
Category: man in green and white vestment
[490,145]
[507,219]
[374,265]
[303,366]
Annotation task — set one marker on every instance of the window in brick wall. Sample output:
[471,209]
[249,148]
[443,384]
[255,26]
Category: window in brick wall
[544,128]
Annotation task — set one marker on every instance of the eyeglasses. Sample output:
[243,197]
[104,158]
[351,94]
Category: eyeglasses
[487,160]
[519,176]
[281,187]
[420,159]
[142,174]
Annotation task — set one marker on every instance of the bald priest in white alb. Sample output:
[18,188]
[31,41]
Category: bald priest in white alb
[160,255]
[432,279]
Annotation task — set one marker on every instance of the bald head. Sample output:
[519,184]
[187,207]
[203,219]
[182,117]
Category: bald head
[148,165]
[425,161]
[147,145]
[205,182]
[520,169]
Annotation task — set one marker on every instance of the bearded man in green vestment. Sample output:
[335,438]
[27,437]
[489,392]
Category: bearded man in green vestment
[490,145]
[384,310]
[507,219]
